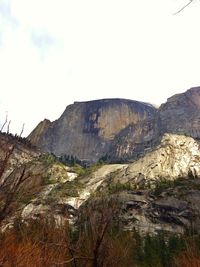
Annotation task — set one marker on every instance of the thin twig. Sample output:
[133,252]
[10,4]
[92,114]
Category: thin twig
[8,127]
[6,120]
[180,10]
[22,130]
[75,258]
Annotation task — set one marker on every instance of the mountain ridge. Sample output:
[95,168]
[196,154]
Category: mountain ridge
[86,129]
[118,129]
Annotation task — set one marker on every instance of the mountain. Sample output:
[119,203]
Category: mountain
[87,129]
[159,191]
[158,147]
[118,129]
[179,115]
[149,202]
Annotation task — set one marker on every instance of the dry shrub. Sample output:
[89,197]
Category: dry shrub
[186,260]
[44,245]
[118,251]
[190,257]
[13,253]
[33,245]
[98,242]
[105,243]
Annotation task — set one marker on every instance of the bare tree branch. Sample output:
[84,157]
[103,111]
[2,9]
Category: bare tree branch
[22,129]
[6,120]
[180,10]
[9,183]
[75,258]
[4,162]
[8,126]
[9,189]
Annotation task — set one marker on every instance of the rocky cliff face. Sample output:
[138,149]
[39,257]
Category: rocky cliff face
[120,129]
[179,115]
[175,157]
[39,131]
[134,141]
[86,129]
[20,152]
[159,191]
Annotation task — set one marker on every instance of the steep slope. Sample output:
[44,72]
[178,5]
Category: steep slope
[26,174]
[86,129]
[179,115]
[20,151]
[39,131]
[175,157]
[160,191]
[133,141]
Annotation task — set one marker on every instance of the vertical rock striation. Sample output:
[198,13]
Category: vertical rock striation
[179,115]
[86,129]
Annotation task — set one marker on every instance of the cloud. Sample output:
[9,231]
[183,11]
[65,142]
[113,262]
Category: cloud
[11,21]
[6,14]
[8,21]
[59,51]
[43,41]
[5,9]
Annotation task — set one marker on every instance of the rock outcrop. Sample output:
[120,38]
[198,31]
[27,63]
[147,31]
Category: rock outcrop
[86,129]
[39,131]
[134,141]
[118,129]
[159,191]
[17,150]
[179,115]
[175,157]
[173,208]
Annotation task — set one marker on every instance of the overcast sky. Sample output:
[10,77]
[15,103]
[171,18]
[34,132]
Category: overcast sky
[55,52]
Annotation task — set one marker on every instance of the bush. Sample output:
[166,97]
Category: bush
[118,187]
[157,250]
[67,189]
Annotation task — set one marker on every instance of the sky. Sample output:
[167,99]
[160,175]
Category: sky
[55,52]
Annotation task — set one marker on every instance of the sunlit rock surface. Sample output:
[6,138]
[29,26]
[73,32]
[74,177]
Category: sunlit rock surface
[176,156]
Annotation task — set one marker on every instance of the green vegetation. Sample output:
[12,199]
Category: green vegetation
[70,160]
[67,189]
[105,242]
[84,172]
[162,185]
[46,179]
[158,250]
[112,247]
[48,159]
[25,198]
[105,159]
[118,187]
[182,185]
